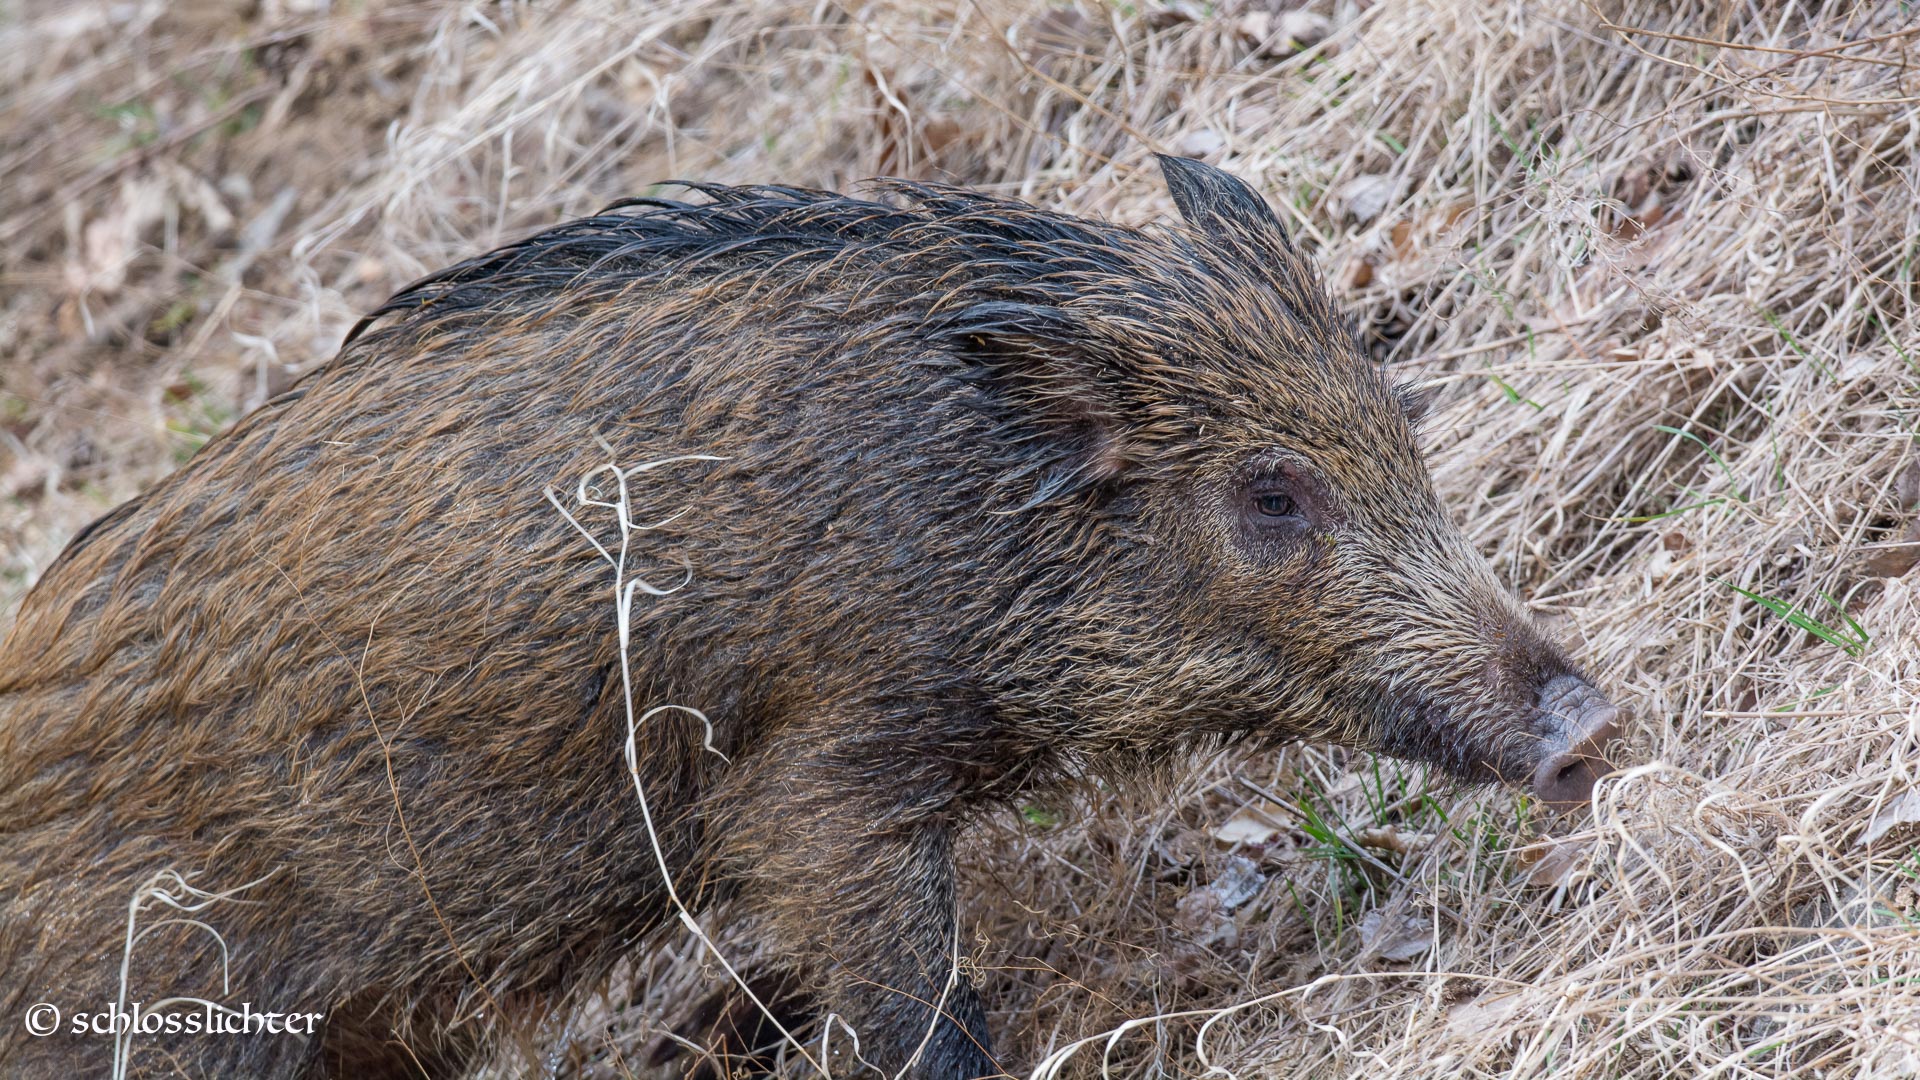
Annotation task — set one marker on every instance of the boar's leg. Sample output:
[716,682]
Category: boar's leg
[887,910]
[872,895]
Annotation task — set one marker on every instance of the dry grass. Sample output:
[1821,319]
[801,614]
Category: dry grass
[1658,255]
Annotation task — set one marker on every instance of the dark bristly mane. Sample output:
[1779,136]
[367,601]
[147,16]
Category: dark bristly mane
[936,239]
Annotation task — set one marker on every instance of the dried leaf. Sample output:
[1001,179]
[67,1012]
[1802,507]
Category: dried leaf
[1896,559]
[1364,197]
[1282,34]
[1238,883]
[1907,485]
[1471,1018]
[1388,838]
[1347,784]
[1257,823]
[1301,28]
[1555,861]
[1398,938]
[1904,810]
[1206,912]
[1200,143]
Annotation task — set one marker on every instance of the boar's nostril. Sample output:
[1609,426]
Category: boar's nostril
[1565,779]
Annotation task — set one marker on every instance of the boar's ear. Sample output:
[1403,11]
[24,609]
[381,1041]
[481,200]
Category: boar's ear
[1219,204]
[1043,362]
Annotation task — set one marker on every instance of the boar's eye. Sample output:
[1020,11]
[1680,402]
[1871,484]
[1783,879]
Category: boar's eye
[1272,505]
[1277,500]
[1275,504]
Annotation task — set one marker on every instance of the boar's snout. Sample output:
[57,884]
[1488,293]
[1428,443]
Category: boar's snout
[1579,722]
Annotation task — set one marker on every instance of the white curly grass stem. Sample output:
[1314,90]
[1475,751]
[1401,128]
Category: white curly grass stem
[826,1032]
[1049,1068]
[170,888]
[623,589]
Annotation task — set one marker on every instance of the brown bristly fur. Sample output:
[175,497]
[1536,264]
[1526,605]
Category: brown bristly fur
[1728,210]
[967,497]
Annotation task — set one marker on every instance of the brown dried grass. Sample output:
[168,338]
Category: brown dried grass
[1593,226]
